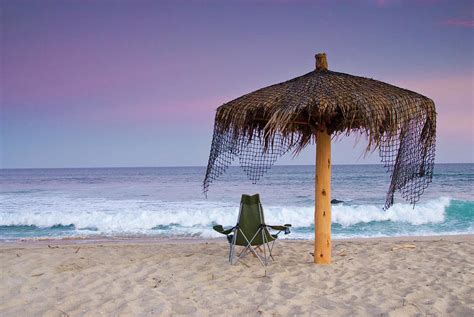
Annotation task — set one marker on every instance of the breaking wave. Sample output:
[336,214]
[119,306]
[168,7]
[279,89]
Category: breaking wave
[62,216]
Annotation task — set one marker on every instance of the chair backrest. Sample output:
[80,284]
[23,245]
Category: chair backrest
[250,221]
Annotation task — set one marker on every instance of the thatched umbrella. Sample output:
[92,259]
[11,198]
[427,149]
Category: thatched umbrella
[265,124]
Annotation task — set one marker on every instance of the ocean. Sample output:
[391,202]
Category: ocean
[168,202]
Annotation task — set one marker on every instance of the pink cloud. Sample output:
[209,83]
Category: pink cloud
[459,22]
[189,112]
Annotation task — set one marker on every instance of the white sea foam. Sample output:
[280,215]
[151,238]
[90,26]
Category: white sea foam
[432,211]
[193,217]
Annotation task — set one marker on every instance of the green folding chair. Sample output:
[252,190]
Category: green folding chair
[251,232]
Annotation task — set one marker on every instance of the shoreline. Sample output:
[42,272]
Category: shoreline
[186,240]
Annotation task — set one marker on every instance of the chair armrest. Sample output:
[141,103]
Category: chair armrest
[281,228]
[222,230]
[285,228]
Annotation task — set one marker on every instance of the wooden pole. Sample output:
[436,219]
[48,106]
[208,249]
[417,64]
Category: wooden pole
[322,218]
[322,212]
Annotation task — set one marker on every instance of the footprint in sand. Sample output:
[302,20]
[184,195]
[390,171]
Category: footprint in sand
[68,267]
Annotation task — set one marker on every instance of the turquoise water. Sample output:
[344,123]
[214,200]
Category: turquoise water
[169,202]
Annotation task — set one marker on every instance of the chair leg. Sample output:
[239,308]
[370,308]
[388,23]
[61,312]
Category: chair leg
[270,249]
[253,250]
[264,249]
[232,249]
[258,256]
[243,252]
[249,249]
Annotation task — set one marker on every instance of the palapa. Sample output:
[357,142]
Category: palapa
[265,124]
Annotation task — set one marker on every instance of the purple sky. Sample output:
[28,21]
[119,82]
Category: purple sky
[136,83]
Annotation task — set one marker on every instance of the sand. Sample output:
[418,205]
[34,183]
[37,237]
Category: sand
[372,277]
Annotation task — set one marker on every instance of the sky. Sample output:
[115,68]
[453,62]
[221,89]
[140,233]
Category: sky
[136,83]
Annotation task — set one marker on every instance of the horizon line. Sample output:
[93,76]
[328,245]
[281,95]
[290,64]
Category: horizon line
[193,166]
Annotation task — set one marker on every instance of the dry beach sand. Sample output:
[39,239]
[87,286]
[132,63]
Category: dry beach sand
[413,276]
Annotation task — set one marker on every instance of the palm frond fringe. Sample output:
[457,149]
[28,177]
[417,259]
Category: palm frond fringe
[261,126]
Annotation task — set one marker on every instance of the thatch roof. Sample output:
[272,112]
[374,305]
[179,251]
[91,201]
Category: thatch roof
[286,116]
